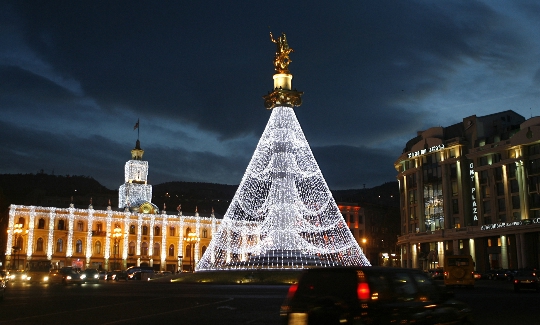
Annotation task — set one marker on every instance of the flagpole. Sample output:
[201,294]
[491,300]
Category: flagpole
[138,129]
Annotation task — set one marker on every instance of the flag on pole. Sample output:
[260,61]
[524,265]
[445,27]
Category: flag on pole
[136,125]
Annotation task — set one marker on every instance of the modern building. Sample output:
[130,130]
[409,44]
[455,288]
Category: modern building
[137,233]
[472,188]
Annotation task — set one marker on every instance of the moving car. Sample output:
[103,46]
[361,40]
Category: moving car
[117,275]
[140,272]
[437,273]
[17,276]
[526,280]
[66,275]
[370,295]
[91,276]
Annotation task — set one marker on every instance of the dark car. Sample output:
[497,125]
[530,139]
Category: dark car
[91,276]
[65,275]
[370,295]
[140,273]
[117,275]
[526,280]
[437,273]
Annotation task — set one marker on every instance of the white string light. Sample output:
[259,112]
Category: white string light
[283,214]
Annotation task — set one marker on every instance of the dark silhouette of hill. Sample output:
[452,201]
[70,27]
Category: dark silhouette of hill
[386,194]
[58,190]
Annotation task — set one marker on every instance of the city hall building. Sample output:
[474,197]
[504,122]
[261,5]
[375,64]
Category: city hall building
[472,188]
[135,233]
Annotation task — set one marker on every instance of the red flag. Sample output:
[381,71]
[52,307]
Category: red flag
[136,125]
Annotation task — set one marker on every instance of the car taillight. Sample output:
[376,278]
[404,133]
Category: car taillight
[363,291]
[292,290]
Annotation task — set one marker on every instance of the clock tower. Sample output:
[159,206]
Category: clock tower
[135,192]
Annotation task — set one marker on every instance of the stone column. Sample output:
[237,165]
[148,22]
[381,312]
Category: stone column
[504,252]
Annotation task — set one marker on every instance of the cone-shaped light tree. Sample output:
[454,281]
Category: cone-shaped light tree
[283,215]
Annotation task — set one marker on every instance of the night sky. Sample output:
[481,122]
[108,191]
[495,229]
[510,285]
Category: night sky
[75,76]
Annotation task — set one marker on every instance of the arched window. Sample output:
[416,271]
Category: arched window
[188,230]
[145,230]
[156,231]
[171,250]
[132,230]
[99,226]
[59,245]
[19,243]
[39,245]
[144,249]
[188,251]
[97,248]
[156,251]
[204,233]
[78,247]
[21,221]
[41,223]
[61,224]
[172,231]
[80,226]
[203,249]
[131,248]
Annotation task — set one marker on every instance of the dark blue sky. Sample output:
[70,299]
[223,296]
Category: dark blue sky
[76,75]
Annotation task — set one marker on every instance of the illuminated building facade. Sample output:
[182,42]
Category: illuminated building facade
[472,188]
[136,234]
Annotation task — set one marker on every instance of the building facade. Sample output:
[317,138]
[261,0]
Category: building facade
[472,188]
[136,233]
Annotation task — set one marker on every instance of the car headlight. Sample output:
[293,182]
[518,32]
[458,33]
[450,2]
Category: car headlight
[96,276]
[83,276]
[68,277]
[27,278]
[45,278]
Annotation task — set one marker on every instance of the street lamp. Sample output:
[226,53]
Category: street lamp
[17,231]
[116,235]
[192,239]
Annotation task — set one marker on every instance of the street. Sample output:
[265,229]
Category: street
[136,302]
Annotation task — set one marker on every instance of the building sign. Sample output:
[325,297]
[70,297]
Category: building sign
[510,224]
[473,192]
[425,151]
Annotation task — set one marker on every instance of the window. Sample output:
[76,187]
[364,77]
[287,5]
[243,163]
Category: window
[203,249]
[204,233]
[486,206]
[500,189]
[485,192]
[99,227]
[131,250]
[171,250]
[41,223]
[172,231]
[39,245]
[80,226]
[502,205]
[454,188]
[145,230]
[514,186]
[59,245]
[352,218]
[455,206]
[144,248]
[515,202]
[156,249]
[61,224]
[156,231]
[97,248]
[132,230]
[188,251]
[78,247]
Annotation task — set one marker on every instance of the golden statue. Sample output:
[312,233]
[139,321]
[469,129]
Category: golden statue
[281,60]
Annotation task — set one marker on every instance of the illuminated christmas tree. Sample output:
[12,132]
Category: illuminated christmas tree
[283,215]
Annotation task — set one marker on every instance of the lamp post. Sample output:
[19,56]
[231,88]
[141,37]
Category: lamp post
[116,235]
[192,239]
[17,231]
